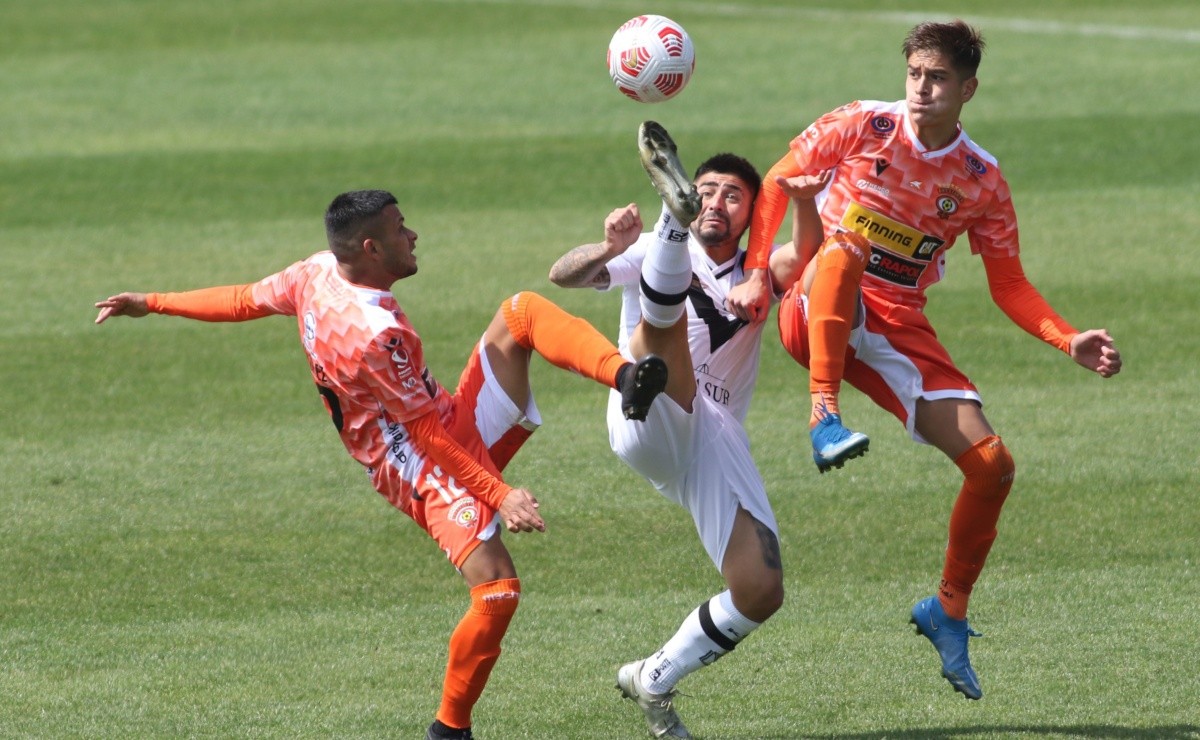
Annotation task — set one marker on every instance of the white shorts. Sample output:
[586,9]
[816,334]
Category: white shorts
[700,460]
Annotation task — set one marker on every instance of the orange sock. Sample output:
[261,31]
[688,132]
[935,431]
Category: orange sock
[474,648]
[823,402]
[565,340]
[832,301]
[988,471]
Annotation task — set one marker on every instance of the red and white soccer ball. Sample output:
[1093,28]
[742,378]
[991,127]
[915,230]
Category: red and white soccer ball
[651,58]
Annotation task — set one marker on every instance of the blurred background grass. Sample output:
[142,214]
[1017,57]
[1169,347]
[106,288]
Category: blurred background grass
[188,552]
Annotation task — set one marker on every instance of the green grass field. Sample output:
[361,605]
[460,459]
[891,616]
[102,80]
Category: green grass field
[186,550]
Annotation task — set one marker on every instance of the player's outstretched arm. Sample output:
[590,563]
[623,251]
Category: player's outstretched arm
[788,262]
[750,300]
[132,305]
[1094,349]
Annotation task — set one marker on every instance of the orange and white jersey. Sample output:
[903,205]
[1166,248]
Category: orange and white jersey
[909,202]
[367,362]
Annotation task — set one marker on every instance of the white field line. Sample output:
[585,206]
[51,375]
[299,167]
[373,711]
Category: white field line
[987,23]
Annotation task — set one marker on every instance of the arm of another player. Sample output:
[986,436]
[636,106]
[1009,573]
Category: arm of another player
[750,300]
[1015,295]
[584,266]
[788,262]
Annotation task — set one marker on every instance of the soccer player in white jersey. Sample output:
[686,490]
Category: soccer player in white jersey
[692,446]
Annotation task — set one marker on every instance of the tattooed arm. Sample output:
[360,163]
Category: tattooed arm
[584,266]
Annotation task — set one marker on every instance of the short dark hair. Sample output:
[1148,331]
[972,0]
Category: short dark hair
[957,40]
[731,164]
[350,212]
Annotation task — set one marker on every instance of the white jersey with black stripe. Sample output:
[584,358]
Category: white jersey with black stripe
[725,350]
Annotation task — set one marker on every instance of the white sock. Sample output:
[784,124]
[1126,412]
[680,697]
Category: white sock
[666,273]
[711,630]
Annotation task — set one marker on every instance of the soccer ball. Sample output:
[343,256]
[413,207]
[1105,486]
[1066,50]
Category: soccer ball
[651,58]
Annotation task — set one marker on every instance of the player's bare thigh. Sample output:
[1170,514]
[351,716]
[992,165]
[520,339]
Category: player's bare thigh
[671,344]
[489,561]
[953,425]
[509,361]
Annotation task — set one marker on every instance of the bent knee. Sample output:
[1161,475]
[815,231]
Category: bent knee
[990,465]
[759,600]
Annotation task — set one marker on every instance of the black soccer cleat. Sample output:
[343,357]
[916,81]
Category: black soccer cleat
[640,384]
[439,731]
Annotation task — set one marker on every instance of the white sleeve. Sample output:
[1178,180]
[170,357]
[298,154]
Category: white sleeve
[626,269]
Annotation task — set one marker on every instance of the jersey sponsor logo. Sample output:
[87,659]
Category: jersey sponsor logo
[310,330]
[889,234]
[396,438]
[865,184]
[894,269]
[711,386]
[975,168]
[882,126]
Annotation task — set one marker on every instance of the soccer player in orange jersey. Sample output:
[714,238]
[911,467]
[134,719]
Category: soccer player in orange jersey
[435,455]
[907,183]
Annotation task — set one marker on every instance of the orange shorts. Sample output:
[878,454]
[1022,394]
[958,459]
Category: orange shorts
[486,422]
[894,355]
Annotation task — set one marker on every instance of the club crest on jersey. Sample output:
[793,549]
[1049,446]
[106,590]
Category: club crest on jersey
[948,200]
[464,512]
[882,126]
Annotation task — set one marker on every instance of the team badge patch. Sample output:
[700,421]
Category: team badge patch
[464,512]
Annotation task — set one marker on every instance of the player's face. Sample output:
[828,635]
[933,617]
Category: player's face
[396,243]
[725,205]
[934,91]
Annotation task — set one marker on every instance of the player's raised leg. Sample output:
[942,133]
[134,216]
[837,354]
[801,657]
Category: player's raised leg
[528,322]
[832,304]
[667,269]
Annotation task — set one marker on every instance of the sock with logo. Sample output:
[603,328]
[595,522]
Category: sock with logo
[832,301]
[711,630]
[475,647]
[988,477]
[666,273]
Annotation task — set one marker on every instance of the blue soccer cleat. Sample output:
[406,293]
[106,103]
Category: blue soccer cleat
[834,444]
[950,637]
